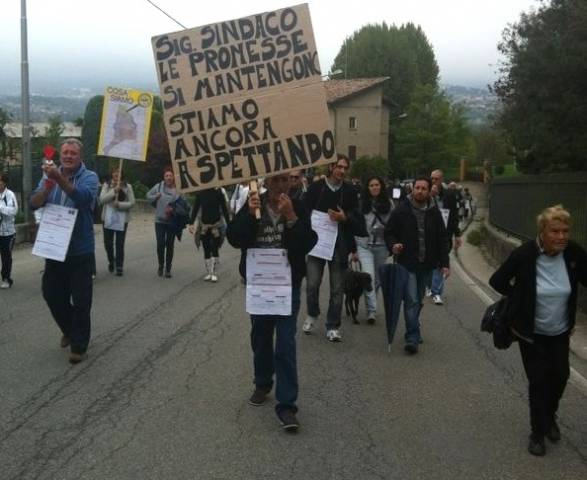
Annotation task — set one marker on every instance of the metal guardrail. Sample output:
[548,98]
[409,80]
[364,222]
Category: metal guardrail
[514,202]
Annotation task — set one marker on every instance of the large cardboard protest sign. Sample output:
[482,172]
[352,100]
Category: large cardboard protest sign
[243,99]
[126,120]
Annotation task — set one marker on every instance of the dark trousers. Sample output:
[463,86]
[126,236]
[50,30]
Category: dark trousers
[210,244]
[6,244]
[115,257]
[279,360]
[67,289]
[546,363]
[165,243]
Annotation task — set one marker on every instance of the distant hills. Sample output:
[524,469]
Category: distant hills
[71,103]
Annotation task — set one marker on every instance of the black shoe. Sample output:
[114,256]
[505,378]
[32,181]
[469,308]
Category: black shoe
[111,267]
[160,272]
[259,396]
[119,273]
[65,341]
[411,348]
[168,274]
[553,433]
[536,445]
[288,420]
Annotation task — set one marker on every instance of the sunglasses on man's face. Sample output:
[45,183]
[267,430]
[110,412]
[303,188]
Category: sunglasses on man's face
[294,176]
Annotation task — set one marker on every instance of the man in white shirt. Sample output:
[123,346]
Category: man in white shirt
[8,211]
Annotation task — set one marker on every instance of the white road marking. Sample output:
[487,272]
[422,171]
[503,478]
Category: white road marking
[576,378]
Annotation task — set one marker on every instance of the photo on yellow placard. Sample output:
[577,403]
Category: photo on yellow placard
[126,119]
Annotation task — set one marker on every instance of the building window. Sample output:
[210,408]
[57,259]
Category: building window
[352,123]
[352,153]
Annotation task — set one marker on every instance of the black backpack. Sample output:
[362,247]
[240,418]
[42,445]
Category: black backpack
[496,321]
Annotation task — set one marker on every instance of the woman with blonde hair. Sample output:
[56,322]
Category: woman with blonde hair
[540,278]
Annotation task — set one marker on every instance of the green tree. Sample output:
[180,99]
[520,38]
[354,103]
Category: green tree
[542,87]
[91,131]
[54,130]
[4,119]
[433,135]
[403,54]
[366,167]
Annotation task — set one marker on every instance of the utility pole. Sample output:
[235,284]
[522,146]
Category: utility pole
[25,107]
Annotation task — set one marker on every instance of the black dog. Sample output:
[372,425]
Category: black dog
[354,284]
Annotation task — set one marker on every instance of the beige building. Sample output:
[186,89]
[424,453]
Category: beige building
[359,114]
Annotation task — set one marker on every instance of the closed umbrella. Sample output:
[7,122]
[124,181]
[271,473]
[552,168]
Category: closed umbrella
[394,279]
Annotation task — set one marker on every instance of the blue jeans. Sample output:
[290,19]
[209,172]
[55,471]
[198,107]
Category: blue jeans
[437,282]
[371,258]
[314,271]
[280,361]
[417,282]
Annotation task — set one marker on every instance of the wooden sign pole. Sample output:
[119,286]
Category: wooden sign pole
[119,172]
[254,188]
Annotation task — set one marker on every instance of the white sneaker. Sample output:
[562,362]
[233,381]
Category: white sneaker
[213,278]
[5,284]
[437,299]
[333,335]
[308,325]
[208,277]
[428,292]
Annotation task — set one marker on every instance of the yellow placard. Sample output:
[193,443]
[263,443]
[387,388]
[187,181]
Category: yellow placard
[126,122]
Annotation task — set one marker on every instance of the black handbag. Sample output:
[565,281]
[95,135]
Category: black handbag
[496,321]
[154,202]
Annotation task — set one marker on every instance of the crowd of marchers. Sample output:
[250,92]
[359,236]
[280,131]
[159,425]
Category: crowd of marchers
[413,225]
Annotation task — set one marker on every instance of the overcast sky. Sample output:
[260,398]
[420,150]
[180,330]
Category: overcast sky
[93,41]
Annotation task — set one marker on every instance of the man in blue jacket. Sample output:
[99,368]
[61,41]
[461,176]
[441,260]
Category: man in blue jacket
[285,224]
[68,286]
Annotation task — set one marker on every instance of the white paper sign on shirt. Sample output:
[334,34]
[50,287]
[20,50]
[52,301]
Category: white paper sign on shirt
[55,231]
[327,231]
[268,282]
[445,214]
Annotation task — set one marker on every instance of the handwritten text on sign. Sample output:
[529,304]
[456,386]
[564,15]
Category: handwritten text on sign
[243,99]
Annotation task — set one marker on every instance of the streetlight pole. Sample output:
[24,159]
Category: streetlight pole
[26,121]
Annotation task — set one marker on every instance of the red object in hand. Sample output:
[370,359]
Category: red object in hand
[49,152]
[49,184]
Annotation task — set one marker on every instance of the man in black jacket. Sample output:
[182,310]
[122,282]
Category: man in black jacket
[283,224]
[331,195]
[416,233]
[447,202]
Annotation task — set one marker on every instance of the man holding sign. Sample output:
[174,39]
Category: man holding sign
[67,284]
[331,202]
[284,226]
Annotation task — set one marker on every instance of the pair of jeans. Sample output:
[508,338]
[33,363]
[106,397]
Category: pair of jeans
[314,271]
[280,360]
[6,244]
[437,282]
[165,235]
[372,257]
[115,258]
[67,289]
[413,302]
[546,362]
[210,244]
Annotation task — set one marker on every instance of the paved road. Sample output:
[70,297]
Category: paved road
[163,392]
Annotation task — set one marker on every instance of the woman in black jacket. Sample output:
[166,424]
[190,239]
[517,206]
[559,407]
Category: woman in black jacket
[543,302]
[211,205]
